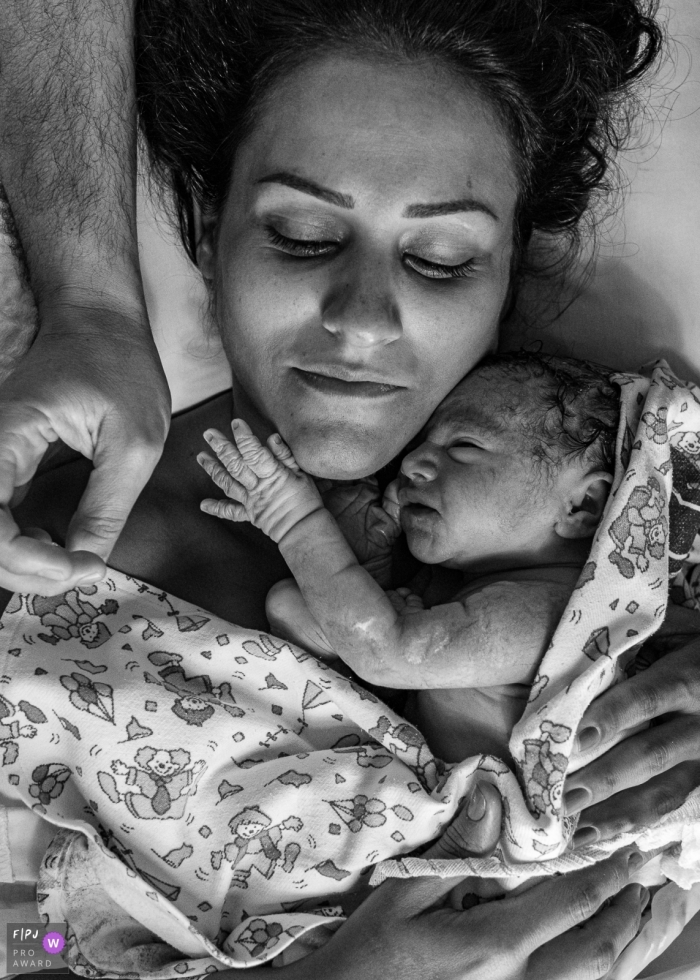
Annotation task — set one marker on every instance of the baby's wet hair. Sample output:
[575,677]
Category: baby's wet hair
[576,410]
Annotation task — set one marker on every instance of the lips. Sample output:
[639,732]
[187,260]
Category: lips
[345,382]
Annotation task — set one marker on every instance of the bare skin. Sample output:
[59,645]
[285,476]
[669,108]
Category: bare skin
[469,498]
[92,378]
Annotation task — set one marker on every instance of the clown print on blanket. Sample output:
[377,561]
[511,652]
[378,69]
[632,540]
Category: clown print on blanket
[222,793]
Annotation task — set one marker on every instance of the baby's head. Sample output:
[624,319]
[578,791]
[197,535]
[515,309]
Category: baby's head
[515,466]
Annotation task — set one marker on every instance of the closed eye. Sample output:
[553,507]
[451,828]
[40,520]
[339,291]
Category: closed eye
[463,450]
[434,270]
[301,248]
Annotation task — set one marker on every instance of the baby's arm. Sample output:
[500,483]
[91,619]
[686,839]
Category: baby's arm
[494,636]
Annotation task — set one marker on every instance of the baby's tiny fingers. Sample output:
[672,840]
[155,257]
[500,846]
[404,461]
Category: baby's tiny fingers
[258,457]
[231,458]
[281,451]
[222,478]
[225,509]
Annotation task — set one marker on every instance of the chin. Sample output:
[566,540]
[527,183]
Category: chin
[341,454]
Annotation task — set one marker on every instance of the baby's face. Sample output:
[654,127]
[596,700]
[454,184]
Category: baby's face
[473,492]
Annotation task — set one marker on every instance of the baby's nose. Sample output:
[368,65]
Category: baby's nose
[420,466]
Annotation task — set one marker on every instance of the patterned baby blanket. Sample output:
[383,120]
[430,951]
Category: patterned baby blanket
[223,794]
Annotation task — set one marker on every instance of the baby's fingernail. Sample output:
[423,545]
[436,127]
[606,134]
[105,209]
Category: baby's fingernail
[91,579]
[235,424]
[276,438]
[56,575]
[635,860]
[585,836]
[587,739]
[476,807]
[576,799]
[209,435]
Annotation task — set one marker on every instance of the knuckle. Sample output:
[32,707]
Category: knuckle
[102,526]
[603,958]
[656,757]
[585,901]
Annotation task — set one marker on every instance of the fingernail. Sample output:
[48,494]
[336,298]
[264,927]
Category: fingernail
[54,574]
[587,739]
[276,438]
[235,423]
[635,860]
[644,896]
[90,579]
[576,799]
[476,807]
[585,836]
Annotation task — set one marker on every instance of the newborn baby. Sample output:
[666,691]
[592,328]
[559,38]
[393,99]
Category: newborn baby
[506,489]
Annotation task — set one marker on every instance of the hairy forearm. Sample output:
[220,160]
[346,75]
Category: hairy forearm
[68,148]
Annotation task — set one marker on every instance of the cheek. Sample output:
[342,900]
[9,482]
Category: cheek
[449,336]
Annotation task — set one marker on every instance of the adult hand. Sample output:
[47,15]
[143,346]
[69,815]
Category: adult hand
[558,929]
[92,379]
[651,772]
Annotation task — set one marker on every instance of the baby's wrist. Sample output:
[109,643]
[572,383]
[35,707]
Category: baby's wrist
[293,526]
[298,530]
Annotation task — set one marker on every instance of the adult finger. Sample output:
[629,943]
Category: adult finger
[589,952]
[670,684]
[476,828]
[551,908]
[474,832]
[31,565]
[632,810]
[120,472]
[634,761]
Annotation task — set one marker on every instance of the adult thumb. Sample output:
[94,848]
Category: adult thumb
[475,830]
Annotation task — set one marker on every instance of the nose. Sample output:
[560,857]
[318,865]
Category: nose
[421,465]
[360,309]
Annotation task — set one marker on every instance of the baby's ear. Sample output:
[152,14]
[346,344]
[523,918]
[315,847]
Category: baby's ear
[584,505]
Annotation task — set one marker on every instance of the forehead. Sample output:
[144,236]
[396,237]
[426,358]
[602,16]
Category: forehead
[490,402]
[385,133]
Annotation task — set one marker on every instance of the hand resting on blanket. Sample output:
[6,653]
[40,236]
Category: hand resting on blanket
[565,928]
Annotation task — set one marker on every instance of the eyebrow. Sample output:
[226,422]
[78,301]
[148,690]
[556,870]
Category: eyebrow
[309,187]
[448,207]
[347,202]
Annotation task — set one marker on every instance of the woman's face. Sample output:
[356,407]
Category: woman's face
[362,258]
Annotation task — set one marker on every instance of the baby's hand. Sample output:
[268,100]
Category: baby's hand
[404,601]
[368,525]
[266,483]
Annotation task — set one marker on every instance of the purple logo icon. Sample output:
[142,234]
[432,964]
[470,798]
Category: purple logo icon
[53,942]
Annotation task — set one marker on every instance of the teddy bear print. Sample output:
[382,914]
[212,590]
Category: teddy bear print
[256,846]
[408,744]
[639,533]
[156,787]
[16,721]
[543,768]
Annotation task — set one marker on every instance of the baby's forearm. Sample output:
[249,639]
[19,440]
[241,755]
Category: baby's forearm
[352,610]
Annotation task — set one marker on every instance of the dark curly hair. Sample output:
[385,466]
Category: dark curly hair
[559,73]
[576,411]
